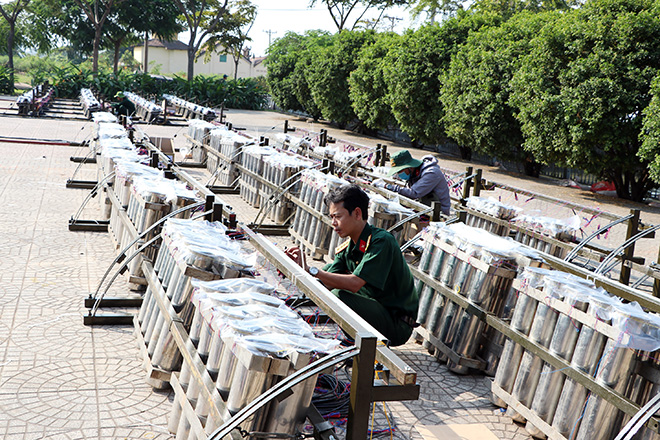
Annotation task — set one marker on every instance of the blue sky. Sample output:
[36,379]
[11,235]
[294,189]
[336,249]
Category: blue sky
[280,16]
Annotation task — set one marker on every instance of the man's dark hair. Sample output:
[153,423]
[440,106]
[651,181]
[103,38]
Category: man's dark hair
[352,196]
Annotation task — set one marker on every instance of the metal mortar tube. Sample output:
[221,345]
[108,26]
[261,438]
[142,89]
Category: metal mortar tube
[450,316]
[652,389]
[184,429]
[151,312]
[530,365]
[175,412]
[551,382]
[430,264]
[602,419]
[288,415]
[588,351]
[318,207]
[432,302]
[303,193]
[205,337]
[226,370]
[468,333]
[503,307]
[145,305]
[196,326]
[158,325]
[507,369]
[162,255]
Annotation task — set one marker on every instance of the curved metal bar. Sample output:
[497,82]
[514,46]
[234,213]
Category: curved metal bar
[288,382]
[92,194]
[279,195]
[615,252]
[412,241]
[573,253]
[82,162]
[407,219]
[92,312]
[146,231]
[639,419]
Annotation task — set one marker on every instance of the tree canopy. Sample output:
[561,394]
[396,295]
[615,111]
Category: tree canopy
[477,87]
[581,90]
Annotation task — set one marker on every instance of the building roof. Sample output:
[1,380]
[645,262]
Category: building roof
[257,60]
[169,45]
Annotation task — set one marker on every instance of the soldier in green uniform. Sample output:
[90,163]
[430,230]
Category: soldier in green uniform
[369,273]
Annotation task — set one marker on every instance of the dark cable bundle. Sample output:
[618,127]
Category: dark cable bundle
[331,396]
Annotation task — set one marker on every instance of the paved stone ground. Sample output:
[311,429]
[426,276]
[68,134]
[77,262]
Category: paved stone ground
[62,380]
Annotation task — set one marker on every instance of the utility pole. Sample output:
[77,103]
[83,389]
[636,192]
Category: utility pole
[392,20]
[270,33]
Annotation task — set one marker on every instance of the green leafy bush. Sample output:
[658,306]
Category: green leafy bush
[243,93]
[5,80]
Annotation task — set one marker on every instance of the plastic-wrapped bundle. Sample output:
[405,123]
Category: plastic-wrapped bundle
[89,102]
[145,109]
[253,160]
[386,213]
[537,227]
[230,313]
[189,109]
[640,330]
[293,143]
[484,289]
[101,117]
[315,235]
[541,332]
[196,244]
[212,161]
[199,130]
[521,321]
[493,208]
[125,172]
[562,345]
[279,169]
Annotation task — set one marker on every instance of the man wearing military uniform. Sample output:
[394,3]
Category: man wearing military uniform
[369,273]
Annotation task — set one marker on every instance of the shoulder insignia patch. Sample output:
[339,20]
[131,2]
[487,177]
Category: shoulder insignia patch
[366,246]
[342,246]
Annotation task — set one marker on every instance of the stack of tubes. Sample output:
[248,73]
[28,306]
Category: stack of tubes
[190,110]
[560,401]
[493,208]
[248,340]
[280,169]
[537,228]
[319,238]
[199,131]
[145,109]
[253,160]
[151,197]
[89,102]
[199,245]
[386,213]
[114,147]
[479,266]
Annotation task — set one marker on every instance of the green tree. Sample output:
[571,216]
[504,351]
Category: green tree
[281,59]
[10,13]
[204,19]
[125,24]
[581,90]
[341,10]
[477,86]
[328,73]
[650,136]
[368,89]
[434,8]
[413,70]
[508,8]
[232,36]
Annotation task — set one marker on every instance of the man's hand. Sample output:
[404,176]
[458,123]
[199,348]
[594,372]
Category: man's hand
[379,183]
[297,255]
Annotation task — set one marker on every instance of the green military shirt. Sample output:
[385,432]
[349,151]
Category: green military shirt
[376,258]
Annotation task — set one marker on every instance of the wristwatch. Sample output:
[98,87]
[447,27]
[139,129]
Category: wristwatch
[313,271]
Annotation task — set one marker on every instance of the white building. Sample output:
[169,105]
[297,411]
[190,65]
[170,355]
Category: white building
[171,57]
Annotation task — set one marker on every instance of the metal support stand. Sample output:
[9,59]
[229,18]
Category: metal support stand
[629,252]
